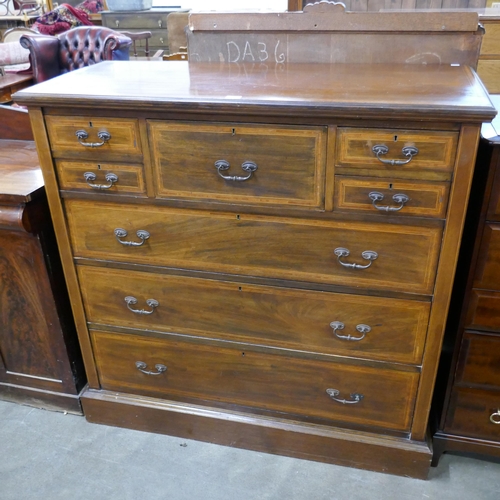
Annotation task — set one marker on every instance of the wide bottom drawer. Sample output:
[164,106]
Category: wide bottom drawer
[270,382]
[476,414]
[331,323]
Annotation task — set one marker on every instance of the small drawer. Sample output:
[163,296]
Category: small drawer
[488,263]
[99,138]
[255,165]
[262,380]
[110,178]
[330,323]
[479,361]
[377,196]
[396,153]
[387,256]
[484,310]
[474,414]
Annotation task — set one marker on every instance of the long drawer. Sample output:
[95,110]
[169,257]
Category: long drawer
[394,257]
[143,20]
[293,386]
[475,413]
[239,163]
[346,325]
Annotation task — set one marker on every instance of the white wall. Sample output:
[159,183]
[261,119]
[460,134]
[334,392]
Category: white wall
[231,5]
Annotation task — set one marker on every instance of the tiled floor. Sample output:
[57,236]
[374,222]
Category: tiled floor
[48,455]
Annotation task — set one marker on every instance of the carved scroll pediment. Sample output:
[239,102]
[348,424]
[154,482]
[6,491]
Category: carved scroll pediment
[324,7]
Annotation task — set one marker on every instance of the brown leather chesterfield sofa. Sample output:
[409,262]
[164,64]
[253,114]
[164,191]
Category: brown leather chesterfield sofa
[76,48]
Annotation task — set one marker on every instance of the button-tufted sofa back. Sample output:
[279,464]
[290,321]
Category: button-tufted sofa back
[86,46]
[74,49]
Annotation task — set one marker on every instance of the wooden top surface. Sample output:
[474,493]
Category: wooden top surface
[14,78]
[21,177]
[324,90]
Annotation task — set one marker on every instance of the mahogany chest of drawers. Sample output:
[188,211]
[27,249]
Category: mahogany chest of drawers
[262,256]
[40,360]
[470,420]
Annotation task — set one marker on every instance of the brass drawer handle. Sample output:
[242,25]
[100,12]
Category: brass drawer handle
[82,135]
[160,23]
[141,234]
[355,398]
[247,166]
[402,199]
[493,418]
[382,149]
[141,366]
[367,255]
[90,177]
[338,325]
[150,302]
[117,23]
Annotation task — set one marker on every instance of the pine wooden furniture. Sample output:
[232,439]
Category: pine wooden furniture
[489,60]
[154,20]
[470,420]
[40,360]
[261,255]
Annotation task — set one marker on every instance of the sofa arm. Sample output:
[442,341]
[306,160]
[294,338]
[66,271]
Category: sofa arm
[116,47]
[44,55]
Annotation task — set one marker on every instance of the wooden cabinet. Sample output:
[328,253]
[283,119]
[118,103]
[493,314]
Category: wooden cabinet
[153,20]
[40,360]
[471,414]
[274,306]
[488,67]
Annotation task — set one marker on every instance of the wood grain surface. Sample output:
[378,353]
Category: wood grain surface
[262,381]
[260,315]
[259,246]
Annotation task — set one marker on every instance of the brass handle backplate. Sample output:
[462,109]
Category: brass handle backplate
[247,166]
[90,177]
[361,328]
[355,397]
[82,135]
[382,149]
[400,198]
[141,234]
[132,301]
[495,417]
[141,366]
[344,252]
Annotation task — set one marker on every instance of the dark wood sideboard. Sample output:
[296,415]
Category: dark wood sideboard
[262,254]
[40,359]
[470,420]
